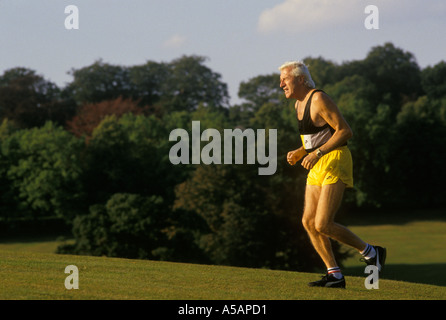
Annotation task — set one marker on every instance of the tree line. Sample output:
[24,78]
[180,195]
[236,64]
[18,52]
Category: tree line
[95,153]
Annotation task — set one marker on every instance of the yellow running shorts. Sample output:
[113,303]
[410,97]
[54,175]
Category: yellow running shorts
[333,166]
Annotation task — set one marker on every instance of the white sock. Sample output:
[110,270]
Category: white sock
[335,272]
[369,252]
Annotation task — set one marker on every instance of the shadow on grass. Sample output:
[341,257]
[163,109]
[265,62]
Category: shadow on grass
[419,273]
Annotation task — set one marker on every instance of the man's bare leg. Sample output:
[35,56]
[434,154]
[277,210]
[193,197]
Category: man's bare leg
[329,202]
[321,205]
[321,242]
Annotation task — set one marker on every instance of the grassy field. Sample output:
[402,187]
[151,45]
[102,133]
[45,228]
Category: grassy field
[414,271]
[41,276]
[415,251]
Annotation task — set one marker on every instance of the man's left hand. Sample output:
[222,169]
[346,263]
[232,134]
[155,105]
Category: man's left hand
[310,160]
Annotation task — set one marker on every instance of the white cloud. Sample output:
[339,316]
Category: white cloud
[175,41]
[294,16]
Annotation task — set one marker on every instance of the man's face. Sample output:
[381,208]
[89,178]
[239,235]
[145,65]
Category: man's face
[288,83]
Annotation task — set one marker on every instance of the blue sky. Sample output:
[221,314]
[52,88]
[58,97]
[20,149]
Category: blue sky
[240,38]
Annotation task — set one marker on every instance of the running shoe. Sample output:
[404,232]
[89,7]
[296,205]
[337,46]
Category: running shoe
[329,281]
[379,260]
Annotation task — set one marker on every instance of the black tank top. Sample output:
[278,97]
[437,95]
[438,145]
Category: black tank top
[312,137]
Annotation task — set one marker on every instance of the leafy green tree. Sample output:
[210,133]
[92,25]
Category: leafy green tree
[28,100]
[148,82]
[392,73]
[136,227]
[128,225]
[191,83]
[182,84]
[323,72]
[419,133]
[261,94]
[216,195]
[395,73]
[260,90]
[129,155]
[43,169]
[386,122]
[8,205]
[433,80]
[98,82]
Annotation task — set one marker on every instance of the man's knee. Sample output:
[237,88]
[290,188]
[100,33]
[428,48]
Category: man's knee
[323,227]
[309,224]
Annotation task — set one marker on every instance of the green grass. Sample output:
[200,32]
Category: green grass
[414,271]
[44,245]
[415,251]
[28,275]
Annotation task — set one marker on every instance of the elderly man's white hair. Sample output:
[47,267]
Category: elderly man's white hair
[298,68]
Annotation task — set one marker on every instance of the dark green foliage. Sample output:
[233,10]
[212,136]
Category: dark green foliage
[41,173]
[132,226]
[128,225]
[179,85]
[130,155]
[433,80]
[28,100]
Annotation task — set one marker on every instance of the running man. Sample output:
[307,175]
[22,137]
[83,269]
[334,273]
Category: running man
[324,152]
